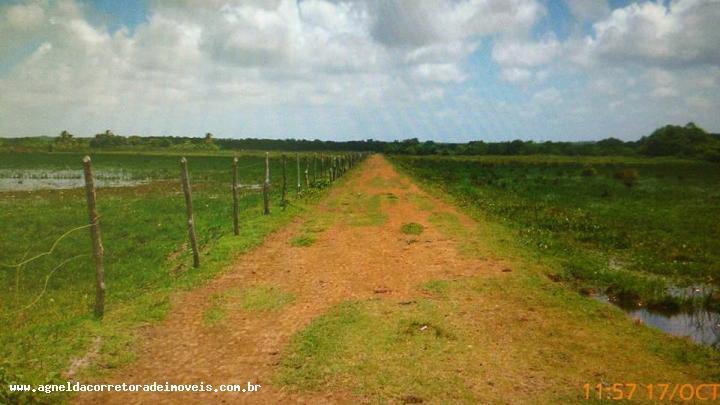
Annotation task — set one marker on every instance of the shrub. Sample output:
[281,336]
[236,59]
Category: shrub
[629,177]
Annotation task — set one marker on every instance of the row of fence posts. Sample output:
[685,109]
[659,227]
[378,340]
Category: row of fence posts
[331,169]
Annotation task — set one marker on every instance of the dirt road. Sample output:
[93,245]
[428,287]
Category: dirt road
[346,262]
[355,250]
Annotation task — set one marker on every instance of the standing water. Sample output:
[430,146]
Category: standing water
[29,180]
[699,324]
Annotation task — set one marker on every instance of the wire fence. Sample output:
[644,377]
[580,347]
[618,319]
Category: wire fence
[137,230]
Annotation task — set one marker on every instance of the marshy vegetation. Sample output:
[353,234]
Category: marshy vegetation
[641,232]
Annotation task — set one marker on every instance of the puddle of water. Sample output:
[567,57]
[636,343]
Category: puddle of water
[701,325]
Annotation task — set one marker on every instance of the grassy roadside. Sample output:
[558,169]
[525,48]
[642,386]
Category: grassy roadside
[56,345]
[484,340]
[499,240]
[518,337]
[49,313]
[636,229]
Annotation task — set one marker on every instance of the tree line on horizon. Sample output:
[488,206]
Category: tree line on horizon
[689,141]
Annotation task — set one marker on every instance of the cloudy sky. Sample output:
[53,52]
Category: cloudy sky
[447,70]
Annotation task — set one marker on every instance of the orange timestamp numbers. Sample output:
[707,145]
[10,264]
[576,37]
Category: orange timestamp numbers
[657,392]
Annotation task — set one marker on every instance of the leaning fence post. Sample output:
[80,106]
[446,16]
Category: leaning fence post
[236,220]
[96,239]
[266,186]
[284,182]
[189,211]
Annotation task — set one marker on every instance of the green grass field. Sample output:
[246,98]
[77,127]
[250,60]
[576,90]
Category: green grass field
[629,227]
[572,219]
[46,305]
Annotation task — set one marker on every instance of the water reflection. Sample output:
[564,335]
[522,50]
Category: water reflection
[701,325]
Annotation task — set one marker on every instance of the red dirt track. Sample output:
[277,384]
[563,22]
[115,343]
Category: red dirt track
[347,262]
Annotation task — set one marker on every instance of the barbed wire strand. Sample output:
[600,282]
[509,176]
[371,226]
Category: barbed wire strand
[17,279]
[47,280]
[49,252]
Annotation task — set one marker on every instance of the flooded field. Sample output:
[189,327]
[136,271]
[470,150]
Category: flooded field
[29,180]
[635,244]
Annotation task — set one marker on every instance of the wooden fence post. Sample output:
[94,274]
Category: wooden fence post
[266,186]
[307,177]
[236,209]
[297,157]
[185,178]
[284,182]
[96,239]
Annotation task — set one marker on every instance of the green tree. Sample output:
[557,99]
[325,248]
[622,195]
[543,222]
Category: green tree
[65,141]
[674,140]
[107,139]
